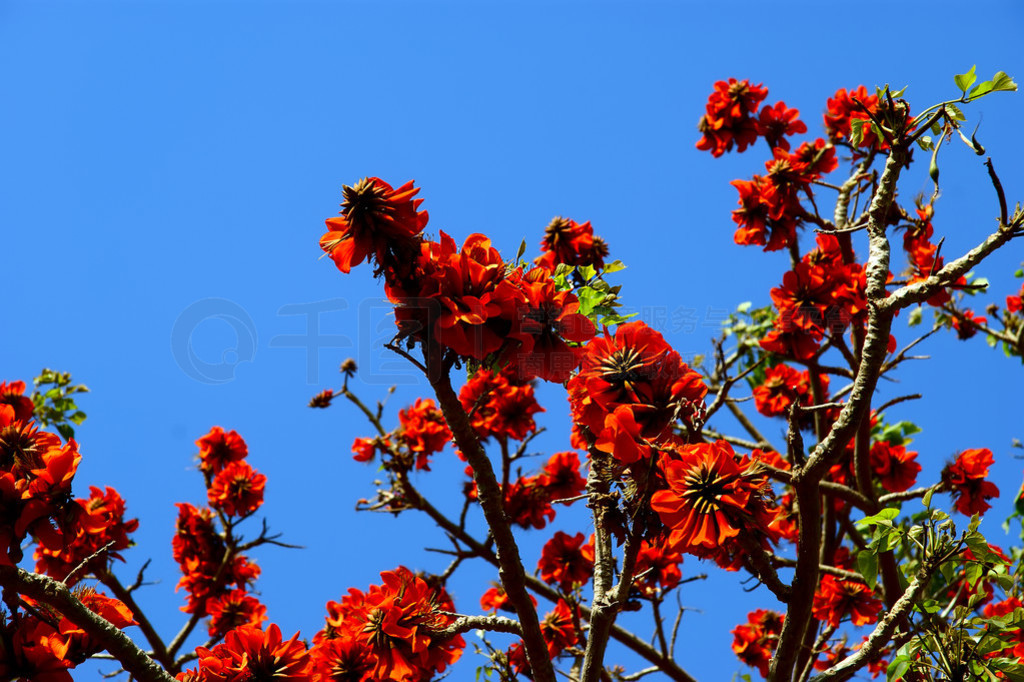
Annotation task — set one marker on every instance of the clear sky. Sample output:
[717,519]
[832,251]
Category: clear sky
[167,167]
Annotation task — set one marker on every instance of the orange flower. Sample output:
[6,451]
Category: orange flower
[217,449]
[566,561]
[754,642]
[393,625]
[836,599]
[13,394]
[711,496]
[233,609]
[966,478]
[237,489]
[249,653]
[376,221]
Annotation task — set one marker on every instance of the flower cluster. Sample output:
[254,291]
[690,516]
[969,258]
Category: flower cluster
[41,644]
[468,300]
[99,525]
[500,405]
[423,431]
[216,576]
[560,629]
[819,297]
[630,389]
[730,117]
[923,255]
[837,599]
[783,386]
[529,499]
[712,496]
[251,653]
[389,632]
[566,241]
[754,642]
[36,470]
[965,477]
[566,561]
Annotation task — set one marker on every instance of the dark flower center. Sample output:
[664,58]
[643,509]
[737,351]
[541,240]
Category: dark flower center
[622,368]
[704,488]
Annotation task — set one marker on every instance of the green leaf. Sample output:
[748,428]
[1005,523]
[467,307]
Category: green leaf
[957,114]
[925,143]
[883,517]
[999,83]
[66,431]
[856,132]
[587,272]
[1003,83]
[915,317]
[898,668]
[614,266]
[928,497]
[867,564]
[965,80]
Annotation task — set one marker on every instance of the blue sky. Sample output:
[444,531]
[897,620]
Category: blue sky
[173,163]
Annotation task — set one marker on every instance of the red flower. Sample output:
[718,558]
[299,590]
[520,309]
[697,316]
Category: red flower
[527,503]
[99,522]
[792,343]
[836,599]
[635,368]
[249,653]
[846,110]
[424,431]
[763,219]
[237,489]
[365,448]
[819,158]
[234,609]
[376,221]
[1015,304]
[13,394]
[543,325]
[754,642]
[217,449]
[712,495]
[111,610]
[658,567]
[395,622]
[965,477]
[476,305]
[572,243]
[895,468]
[782,386]
[341,660]
[621,437]
[560,478]
[776,122]
[500,404]
[728,120]
[495,599]
[559,629]
[966,324]
[566,561]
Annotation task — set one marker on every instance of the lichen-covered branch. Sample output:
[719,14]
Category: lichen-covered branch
[44,589]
